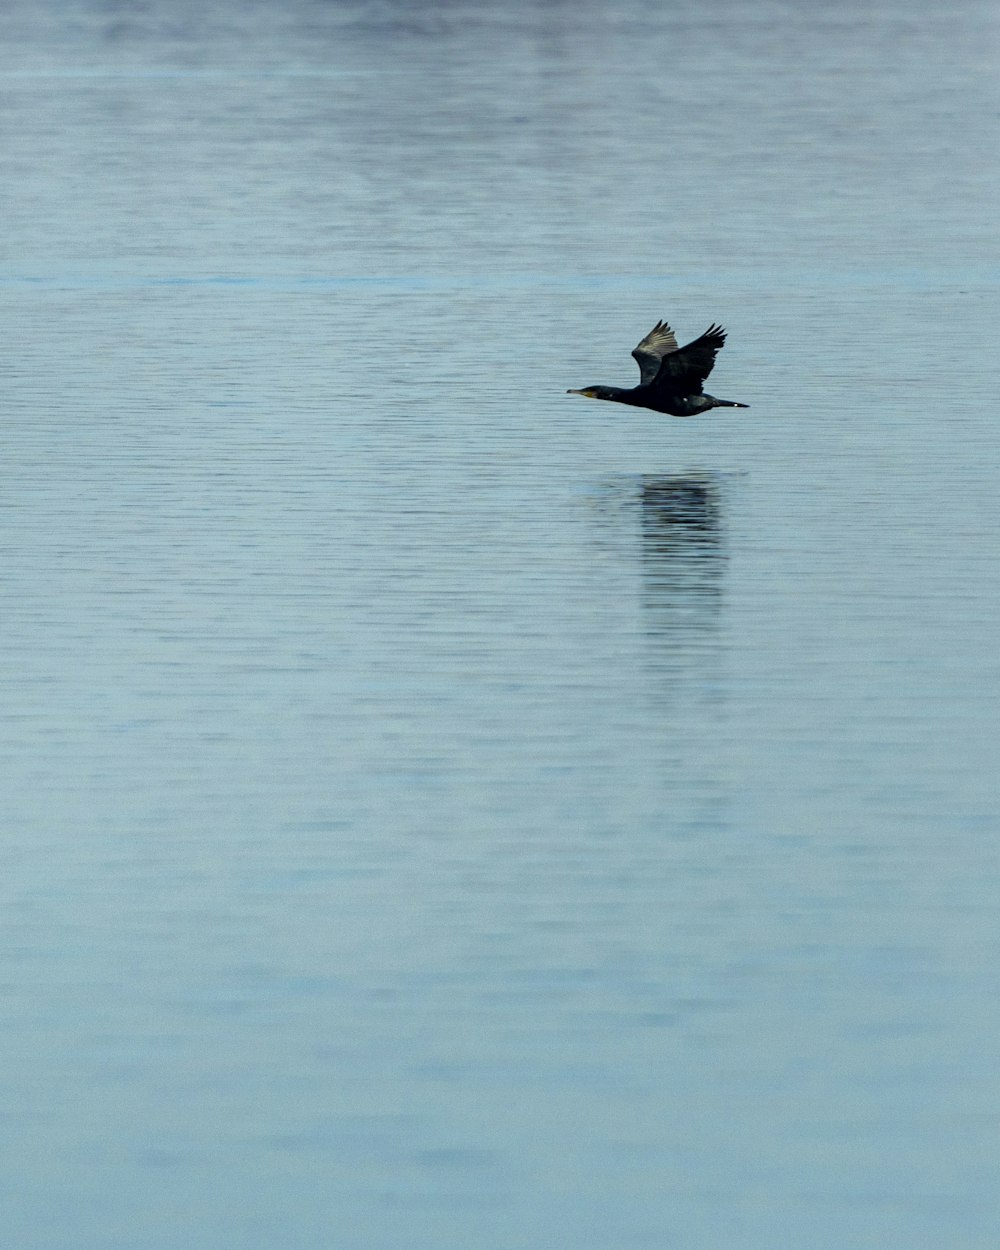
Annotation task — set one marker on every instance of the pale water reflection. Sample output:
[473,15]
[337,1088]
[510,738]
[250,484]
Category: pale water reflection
[683,551]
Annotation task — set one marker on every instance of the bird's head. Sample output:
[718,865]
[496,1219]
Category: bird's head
[595,392]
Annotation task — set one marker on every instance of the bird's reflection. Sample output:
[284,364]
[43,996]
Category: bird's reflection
[683,556]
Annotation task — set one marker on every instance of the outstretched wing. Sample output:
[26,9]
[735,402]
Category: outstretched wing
[650,352]
[684,371]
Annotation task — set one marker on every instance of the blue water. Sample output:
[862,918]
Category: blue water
[439,811]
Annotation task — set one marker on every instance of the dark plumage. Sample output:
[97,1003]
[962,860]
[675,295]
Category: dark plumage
[670,377]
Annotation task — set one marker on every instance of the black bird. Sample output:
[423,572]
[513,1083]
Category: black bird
[671,377]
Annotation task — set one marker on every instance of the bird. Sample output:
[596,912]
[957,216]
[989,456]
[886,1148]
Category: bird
[670,377]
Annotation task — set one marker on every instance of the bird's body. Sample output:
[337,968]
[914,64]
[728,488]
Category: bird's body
[671,377]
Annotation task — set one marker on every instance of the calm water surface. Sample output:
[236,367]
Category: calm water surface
[439,811]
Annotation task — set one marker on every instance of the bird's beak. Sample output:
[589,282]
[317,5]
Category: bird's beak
[578,393]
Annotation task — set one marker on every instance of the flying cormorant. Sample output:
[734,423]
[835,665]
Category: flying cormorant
[671,377]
